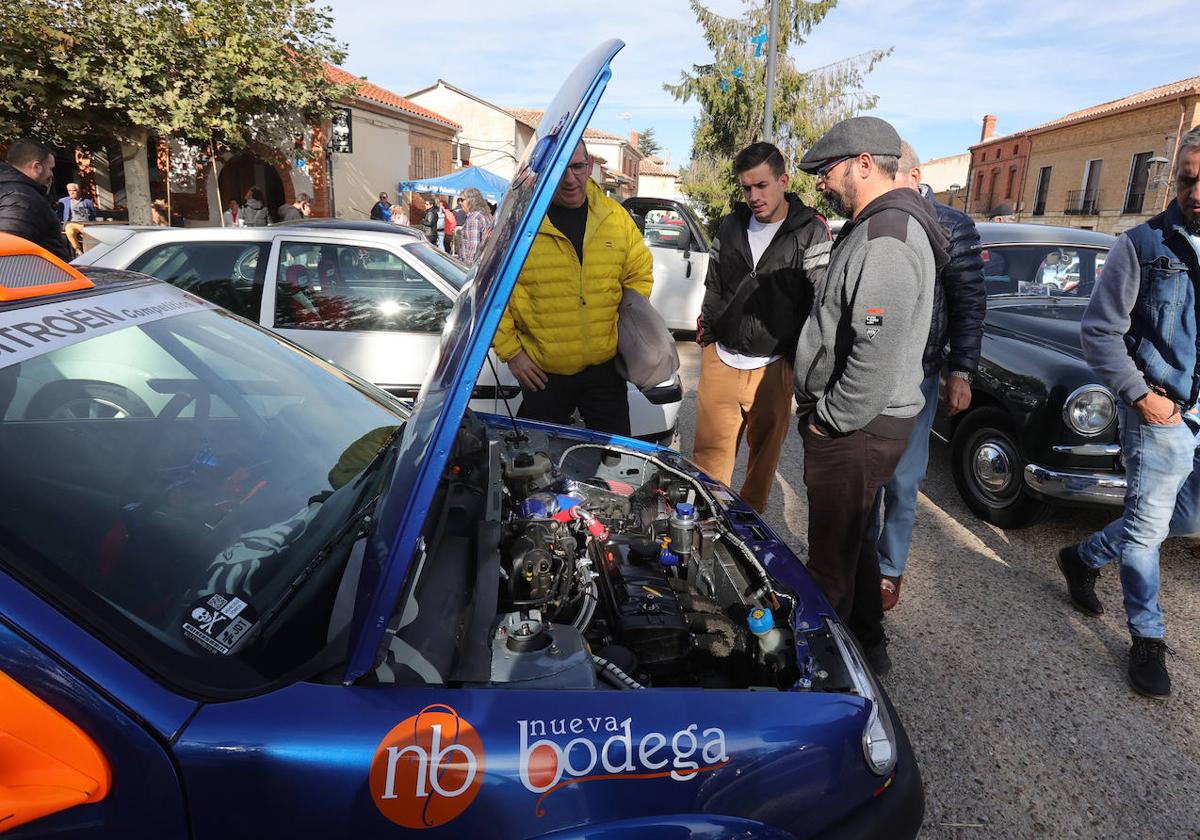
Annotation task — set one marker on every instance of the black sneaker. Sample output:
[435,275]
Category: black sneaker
[1081,581]
[878,659]
[1148,667]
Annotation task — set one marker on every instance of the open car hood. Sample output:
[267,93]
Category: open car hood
[429,434]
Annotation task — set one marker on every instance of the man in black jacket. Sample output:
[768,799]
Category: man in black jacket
[959,307]
[767,255]
[25,209]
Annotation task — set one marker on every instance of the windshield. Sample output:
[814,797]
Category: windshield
[1054,270]
[448,268]
[188,489]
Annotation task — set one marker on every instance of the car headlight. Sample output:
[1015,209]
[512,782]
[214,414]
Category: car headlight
[1089,410]
[879,736]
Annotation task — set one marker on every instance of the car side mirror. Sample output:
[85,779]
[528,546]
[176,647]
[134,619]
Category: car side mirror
[685,241]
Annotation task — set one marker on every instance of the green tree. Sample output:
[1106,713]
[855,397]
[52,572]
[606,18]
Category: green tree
[647,143]
[731,93]
[243,70]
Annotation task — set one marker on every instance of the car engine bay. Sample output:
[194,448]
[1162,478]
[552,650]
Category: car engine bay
[592,566]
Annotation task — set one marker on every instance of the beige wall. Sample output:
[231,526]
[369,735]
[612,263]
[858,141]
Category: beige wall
[939,174]
[383,146]
[497,140]
[659,186]
[1115,140]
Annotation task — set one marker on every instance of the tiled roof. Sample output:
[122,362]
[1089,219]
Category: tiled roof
[532,117]
[1137,100]
[374,93]
[655,166]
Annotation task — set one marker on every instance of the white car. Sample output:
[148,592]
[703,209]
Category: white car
[679,245]
[369,296]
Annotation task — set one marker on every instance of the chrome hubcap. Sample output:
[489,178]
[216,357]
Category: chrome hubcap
[993,466]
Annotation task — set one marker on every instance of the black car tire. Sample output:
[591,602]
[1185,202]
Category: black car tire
[85,399]
[989,471]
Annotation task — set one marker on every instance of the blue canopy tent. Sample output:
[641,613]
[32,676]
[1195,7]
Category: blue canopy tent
[492,186]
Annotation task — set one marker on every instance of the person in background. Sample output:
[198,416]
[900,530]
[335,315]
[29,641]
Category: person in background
[381,210]
[76,211]
[301,208]
[449,225]
[959,307]
[766,258]
[158,213]
[254,209]
[1002,213]
[558,334]
[476,229]
[430,221]
[25,176]
[460,219]
[233,214]
[399,212]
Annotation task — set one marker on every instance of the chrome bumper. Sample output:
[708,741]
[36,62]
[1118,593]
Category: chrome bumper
[1098,487]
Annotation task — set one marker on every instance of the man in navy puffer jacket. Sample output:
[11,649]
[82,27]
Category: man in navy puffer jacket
[959,306]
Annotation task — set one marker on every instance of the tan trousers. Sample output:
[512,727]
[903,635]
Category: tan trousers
[75,236]
[732,402]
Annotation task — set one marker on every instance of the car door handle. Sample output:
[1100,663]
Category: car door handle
[688,271]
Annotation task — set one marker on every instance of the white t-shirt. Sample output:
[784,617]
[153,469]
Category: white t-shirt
[759,235]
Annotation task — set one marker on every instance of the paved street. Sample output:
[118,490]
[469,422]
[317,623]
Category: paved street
[1016,704]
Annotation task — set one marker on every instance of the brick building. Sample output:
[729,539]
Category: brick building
[1108,167]
[1104,168]
[997,170]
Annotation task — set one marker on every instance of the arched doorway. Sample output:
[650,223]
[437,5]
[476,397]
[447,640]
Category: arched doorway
[245,170]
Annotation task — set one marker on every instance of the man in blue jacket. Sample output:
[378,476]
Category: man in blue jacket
[75,210]
[959,306]
[1140,336]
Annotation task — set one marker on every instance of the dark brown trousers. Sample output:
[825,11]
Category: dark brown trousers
[842,475]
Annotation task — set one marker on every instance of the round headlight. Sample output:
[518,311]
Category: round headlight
[1089,410]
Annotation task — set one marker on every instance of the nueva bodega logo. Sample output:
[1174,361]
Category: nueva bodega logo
[605,749]
[428,769]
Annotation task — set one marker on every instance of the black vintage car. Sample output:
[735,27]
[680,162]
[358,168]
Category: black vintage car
[1041,428]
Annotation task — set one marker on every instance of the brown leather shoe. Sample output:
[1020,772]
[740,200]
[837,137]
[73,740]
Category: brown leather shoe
[889,589]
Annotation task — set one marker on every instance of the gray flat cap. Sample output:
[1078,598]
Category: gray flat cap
[851,137]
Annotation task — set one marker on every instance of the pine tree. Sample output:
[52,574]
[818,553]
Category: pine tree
[732,96]
[647,143]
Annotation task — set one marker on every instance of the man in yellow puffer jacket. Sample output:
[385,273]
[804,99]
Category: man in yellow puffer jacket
[559,332]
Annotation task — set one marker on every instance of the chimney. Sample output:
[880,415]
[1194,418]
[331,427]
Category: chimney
[989,127]
[633,139]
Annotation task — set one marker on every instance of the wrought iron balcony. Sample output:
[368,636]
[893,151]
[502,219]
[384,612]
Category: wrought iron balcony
[1134,202]
[1082,203]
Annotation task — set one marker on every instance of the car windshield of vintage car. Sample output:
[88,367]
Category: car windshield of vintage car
[1052,270]
[448,268]
[189,489]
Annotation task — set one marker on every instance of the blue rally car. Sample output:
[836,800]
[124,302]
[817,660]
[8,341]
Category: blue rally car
[245,594]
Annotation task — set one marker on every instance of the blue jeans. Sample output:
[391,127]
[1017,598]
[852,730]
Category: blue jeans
[1162,499]
[898,497]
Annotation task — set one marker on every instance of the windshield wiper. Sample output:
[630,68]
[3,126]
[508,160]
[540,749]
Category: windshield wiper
[356,525]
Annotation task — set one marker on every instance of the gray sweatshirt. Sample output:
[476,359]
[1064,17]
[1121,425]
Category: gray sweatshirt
[858,359]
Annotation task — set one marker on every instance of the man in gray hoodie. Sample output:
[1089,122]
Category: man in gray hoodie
[858,361]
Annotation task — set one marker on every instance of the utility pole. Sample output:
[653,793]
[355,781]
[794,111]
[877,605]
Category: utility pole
[772,34]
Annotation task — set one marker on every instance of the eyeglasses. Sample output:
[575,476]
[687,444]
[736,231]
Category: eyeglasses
[578,168]
[824,171]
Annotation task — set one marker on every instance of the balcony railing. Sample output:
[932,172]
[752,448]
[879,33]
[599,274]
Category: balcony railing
[1133,203]
[1082,203]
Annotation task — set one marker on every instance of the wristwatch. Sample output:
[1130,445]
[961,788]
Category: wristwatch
[964,375]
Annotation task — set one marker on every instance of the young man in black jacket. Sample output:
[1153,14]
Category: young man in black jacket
[766,257]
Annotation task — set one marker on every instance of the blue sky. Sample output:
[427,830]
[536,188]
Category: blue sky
[1027,61]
